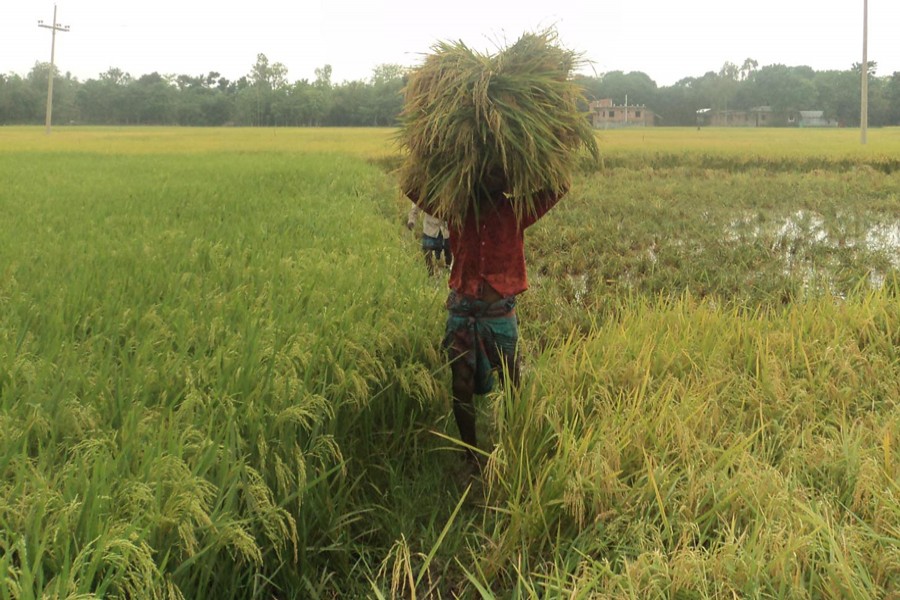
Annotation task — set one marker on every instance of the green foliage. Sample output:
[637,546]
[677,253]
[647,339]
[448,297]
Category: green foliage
[635,87]
[263,98]
[117,98]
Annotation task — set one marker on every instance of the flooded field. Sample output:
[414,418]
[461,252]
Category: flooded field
[811,248]
[753,238]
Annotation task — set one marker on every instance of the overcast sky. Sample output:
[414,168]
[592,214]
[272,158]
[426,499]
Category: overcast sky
[667,39]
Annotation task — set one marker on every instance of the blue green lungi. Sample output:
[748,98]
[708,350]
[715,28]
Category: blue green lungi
[485,335]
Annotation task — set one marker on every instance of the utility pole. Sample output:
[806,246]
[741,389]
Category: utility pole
[54,28]
[864,110]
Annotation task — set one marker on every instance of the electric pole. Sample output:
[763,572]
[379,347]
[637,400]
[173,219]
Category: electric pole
[54,28]
[864,110]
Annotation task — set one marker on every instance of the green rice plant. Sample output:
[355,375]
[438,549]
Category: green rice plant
[221,375]
[475,124]
[197,389]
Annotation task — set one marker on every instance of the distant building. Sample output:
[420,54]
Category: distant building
[763,116]
[815,118]
[606,115]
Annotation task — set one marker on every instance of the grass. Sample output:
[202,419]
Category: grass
[220,375]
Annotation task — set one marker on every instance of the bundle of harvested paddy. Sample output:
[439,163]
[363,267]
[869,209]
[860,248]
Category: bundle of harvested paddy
[474,124]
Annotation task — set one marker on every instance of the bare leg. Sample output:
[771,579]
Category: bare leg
[429,261]
[448,258]
[464,406]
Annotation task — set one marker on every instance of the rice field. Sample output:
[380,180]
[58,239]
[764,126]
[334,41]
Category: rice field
[220,374]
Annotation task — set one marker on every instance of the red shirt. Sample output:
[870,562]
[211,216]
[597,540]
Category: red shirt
[492,249]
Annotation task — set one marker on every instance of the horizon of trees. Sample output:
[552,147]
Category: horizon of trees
[781,87]
[265,97]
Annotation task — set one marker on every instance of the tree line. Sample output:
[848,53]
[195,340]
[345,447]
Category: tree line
[265,97]
[783,88]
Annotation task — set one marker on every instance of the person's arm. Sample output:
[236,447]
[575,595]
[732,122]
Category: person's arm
[413,195]
[412,216]
[543,202]
[422,207]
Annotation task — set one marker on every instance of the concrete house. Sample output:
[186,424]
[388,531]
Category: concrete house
[763,116]
[606,115]
[760,116]
[815,118]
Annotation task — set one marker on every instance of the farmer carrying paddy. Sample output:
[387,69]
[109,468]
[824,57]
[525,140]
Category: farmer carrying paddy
[482,327]
[491,141]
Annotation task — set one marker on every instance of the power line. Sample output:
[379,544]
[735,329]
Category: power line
[54,28]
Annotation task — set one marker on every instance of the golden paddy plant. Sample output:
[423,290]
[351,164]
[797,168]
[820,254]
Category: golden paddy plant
[370,143]
[474,124]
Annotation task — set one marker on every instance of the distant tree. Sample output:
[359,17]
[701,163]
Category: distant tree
[265,78]
[268,75]
[320,96]
[20,102]
[386,73]
[857,68]
[677,104]
[386,98]
[587,85]
[65,105]
[783,88]
[636,85]
[747,68]
[216,109]
[729,71]
[351,104]
[323,77]
[212,80]
[189,82]
[265,96]
[892,94]
[115,76]
[38,79]
[837,94]
[706,89]
[302,109]
[65,87]
[154,100]
[726,86]
[879,102]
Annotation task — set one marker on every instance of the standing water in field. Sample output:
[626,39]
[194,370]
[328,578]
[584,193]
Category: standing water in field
[809,246]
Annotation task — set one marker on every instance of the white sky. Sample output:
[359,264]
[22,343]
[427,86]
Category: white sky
[667,39]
